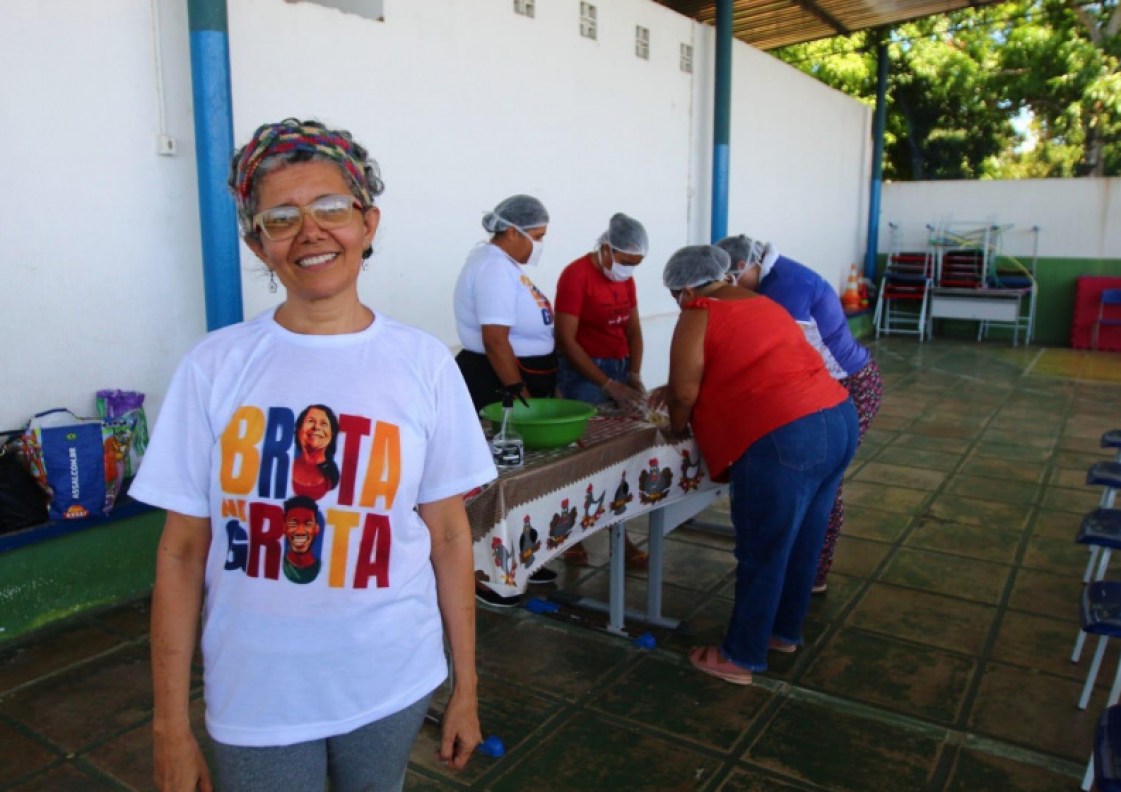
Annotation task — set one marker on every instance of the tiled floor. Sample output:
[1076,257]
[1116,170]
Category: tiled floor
[938,659]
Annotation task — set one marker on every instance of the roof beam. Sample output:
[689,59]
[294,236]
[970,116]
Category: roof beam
[823,15]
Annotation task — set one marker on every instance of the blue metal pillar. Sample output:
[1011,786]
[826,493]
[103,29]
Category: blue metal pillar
[879,123]
[722,120]
[214,145]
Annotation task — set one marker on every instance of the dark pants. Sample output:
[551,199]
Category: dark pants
[539,373]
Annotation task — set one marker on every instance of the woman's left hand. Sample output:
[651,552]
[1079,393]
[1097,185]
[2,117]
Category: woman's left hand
[461,730]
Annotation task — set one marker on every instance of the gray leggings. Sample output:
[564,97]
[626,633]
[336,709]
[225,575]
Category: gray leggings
[371,758]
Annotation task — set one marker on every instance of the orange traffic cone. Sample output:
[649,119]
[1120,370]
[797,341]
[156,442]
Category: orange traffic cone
[850,297]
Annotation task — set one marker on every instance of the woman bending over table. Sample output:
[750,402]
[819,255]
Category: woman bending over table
[767,417]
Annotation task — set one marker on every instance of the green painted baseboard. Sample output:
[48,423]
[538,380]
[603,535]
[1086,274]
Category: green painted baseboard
[44,582]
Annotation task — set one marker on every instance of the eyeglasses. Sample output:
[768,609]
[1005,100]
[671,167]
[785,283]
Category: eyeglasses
[284,222]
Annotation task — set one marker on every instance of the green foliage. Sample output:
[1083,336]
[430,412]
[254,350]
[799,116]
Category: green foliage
[958,81]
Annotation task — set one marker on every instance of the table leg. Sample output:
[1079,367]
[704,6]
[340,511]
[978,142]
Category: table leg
[617,592]
[656,553]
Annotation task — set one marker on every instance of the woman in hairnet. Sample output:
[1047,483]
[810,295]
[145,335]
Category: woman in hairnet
[810,299]
[767,417]
[599,336]
[504,321]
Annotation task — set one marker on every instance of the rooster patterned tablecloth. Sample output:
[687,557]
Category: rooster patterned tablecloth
[621,468]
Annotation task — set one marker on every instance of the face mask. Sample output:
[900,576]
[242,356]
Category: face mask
[620,272]
[538,248]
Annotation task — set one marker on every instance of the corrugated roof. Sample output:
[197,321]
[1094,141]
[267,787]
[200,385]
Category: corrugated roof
[767,24]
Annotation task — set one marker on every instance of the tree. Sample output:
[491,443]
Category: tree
[969,92]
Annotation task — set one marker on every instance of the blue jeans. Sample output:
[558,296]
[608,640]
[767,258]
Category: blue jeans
[782,493]
[573,385]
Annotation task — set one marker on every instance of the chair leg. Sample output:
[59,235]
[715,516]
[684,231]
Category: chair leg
[1088,777]
[1093,559]
[1079,642]
[1092,675]
[1103,564]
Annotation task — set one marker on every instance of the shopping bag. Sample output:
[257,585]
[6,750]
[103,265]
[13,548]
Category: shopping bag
[67,456]
[123,412]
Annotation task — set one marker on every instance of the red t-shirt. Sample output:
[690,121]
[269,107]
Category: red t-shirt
[603,307]
[759,374]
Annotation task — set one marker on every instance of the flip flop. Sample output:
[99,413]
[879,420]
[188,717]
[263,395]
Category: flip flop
[708,660]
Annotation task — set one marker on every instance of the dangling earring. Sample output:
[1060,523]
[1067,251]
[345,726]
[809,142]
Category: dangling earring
[365,264]
[272,281]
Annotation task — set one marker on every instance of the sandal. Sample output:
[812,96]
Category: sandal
[778,645]
[576,556]
[709,660]
[635,559]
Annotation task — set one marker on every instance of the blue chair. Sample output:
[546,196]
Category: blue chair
[1104,768]
[1107,475]
[1101,616]
[1109,314]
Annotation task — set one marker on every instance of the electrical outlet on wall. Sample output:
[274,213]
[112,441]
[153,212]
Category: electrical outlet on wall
[166,146]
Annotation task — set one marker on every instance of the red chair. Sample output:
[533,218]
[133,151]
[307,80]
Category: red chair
[1109,314]
[904,292]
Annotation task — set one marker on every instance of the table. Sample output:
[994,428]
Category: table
[982,305]
[620,469]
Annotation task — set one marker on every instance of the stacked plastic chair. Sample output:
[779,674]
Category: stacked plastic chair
[1104,768]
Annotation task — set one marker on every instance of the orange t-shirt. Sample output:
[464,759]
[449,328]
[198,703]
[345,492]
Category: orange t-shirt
[760,374]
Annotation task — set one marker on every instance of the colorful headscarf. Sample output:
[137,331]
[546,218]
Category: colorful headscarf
[292,135]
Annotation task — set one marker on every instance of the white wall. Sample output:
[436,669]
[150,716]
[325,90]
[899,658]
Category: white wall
[1077,218]
[462,102]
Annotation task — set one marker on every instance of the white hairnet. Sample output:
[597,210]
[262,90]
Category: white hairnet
[626,235]
[695,265]
[744,248]
[517,211]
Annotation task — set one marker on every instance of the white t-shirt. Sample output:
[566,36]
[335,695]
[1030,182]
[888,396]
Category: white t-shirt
[493,289]
[304,640]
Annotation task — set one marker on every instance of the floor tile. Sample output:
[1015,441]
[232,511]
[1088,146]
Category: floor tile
[874,524]
[914,680]
[696,567]
[55,650]
[949,445]
[1057,524]
[1023,438]
[1075,500]
[1025,707]
[976,511]
[840,750]
[1003,490]
[977,771]
[1072,478]
[973,541]
[1060,556]
[885,498]
[1000,468]
[1019,454]
[931,619]
[85,705]
[1045,643]
[1046,594]
[68,777]
[858,557]
[540,655]
[956,576]
[591,752]
[751,779]
[901,476]
[919,457]
[21,755]
[675,698]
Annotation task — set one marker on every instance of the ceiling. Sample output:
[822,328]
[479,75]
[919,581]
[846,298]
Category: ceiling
[767,24]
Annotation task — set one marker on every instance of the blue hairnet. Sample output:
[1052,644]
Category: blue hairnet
[626,235]
[695,265]
[517,211]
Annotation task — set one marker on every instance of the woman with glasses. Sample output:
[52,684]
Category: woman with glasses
[767,417]
[504,321]
[324,614]
[810,299]
[599,335]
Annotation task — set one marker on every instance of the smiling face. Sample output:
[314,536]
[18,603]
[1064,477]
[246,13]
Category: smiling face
[314,434]
[301,529]
[318,264]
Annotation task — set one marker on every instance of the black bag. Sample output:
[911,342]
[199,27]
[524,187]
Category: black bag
[22,501]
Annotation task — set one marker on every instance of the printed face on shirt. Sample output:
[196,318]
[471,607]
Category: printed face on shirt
[314,434]
[300,528]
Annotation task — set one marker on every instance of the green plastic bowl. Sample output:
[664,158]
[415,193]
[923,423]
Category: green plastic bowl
[545,423]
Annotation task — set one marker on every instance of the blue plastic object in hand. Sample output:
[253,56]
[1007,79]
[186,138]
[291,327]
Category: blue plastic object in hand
[539,605]
[645,641]
[491,746]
